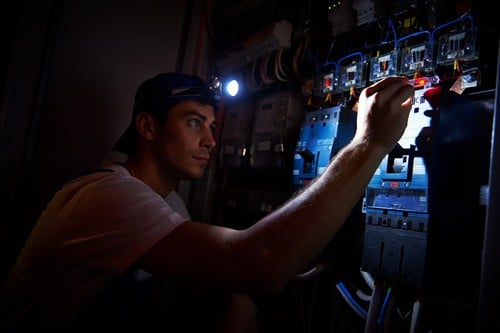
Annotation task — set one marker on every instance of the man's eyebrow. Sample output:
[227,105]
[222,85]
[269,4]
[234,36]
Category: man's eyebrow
[199,115]
[195,113]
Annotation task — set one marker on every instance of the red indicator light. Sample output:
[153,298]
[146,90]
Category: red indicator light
[419,82]
[394,184]
[327,82]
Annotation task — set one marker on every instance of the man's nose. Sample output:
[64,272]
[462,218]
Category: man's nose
[208,139]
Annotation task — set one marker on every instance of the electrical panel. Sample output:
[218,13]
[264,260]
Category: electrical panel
[369,11]
[271,38]
[396,205]
[384,65]
[459,42]
[315,143]
[342,17]
[415,202]
[235,138]
[352,75]
[417,58]
[277,117]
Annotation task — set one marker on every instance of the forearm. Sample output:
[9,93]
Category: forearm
[273,250]
[293,235]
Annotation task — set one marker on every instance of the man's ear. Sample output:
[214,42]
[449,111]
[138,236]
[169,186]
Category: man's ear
[146,125]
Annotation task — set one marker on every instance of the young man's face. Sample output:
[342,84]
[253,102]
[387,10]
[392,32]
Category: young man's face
[185,140]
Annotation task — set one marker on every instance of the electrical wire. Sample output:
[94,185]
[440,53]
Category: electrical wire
[353,304]
[390,24]
[296,56]
[359,54]
[328,64]
[418,33]
[362,296]
[450,23]
[415,316]
[253,84]
[279,72]
[330,50]
[368,279]
[263,69]
[381,318]
[310,273]
[371,325]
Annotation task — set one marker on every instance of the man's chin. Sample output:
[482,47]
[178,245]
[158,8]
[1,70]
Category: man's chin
[195,174]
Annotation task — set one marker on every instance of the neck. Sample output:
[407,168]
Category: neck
[151,176]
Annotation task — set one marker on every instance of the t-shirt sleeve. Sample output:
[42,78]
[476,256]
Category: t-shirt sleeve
[118,220]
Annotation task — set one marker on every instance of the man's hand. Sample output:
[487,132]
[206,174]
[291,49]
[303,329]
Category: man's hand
[383,112]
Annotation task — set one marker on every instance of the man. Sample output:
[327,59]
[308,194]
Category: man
[105,233]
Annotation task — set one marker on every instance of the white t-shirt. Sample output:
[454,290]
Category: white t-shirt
[92,231]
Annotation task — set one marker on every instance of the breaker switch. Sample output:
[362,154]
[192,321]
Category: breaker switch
[307,155]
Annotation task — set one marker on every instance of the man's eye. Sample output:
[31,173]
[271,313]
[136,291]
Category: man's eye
[213,130]
[195,122]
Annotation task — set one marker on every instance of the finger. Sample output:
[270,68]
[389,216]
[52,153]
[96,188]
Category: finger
[396,92]
[389,84]
[404,96]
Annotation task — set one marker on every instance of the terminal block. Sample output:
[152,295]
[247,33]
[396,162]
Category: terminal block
[352,76]
[417,59]
[383,66]
[459,45]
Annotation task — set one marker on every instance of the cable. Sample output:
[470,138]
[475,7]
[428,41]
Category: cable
[368,279]
[371,325]
[351,55]
[296,56]
[328,64]
[418,33]
[381,318]
[330,50]
[358,309]
[362,296]
[311,273]
[393,32]
[278,68]
[450,23]
[252,83]
[415,315]
[263,69]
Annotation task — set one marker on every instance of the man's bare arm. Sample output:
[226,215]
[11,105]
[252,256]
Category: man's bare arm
[276,248]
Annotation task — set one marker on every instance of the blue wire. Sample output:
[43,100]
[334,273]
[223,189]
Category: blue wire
[393,32]
[351,55]
[352,300]
[450,23]
[328,64]
[411,35]
[381,316]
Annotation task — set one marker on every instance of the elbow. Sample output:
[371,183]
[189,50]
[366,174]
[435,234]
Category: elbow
[275,275]
[275,284]
[278,282]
